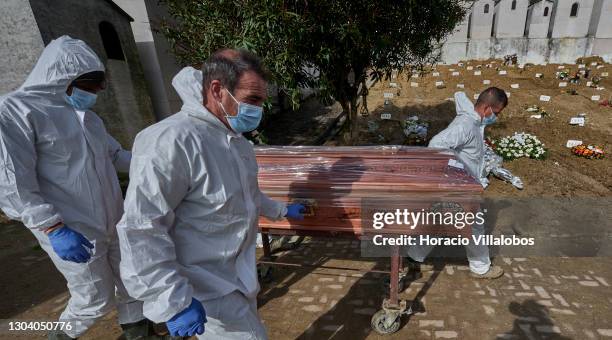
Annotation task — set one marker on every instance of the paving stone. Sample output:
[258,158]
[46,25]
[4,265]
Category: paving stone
[589,283]
[341,278]
[569,277]
[59,308]
[431,323]
[488,310]
[546,303]
[315,288]
[364,311]
[326,279]
[334,286]
[602,281]
[542,292]
[605,332]
[524,294]
[323,299]
[445,334]
[332,328]
[517,275]
[62,298]
[296,291]
[524,285]
[312,308]
[560,299]
[562,311]
[555,280]
[589,334]
[366,282]
[548,329]
[450,270]
[537,271]
[306,299]
[494,301]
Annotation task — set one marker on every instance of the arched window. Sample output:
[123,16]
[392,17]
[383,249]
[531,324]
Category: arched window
[111,42]
[574,11]
[545,11]
[513,5]
[469,32]
[486,8]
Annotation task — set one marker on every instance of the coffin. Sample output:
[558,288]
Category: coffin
[343,186]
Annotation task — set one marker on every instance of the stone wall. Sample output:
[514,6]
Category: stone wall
[125,105]
[20,43]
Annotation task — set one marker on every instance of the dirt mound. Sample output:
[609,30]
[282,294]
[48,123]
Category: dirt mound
[562,173]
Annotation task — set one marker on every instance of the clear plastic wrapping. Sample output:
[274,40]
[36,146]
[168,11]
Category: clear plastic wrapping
[344,176]
[493,165]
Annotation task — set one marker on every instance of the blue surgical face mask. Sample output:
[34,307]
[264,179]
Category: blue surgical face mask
[490,119]
[248,116]
[81,100]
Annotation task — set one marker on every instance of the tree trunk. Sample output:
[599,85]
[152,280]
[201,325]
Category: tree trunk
[350,129]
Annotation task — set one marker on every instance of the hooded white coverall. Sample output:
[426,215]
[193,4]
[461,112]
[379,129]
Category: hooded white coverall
[465,137]
[57,164]
[191,219]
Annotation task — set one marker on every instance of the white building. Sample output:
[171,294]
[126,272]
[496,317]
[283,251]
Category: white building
[538,31]
[509,19]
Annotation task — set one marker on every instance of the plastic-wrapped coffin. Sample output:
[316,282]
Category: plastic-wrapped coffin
[344,186]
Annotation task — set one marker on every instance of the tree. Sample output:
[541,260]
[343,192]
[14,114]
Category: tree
[333,46]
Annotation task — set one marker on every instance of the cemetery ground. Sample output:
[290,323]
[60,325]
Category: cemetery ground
[539,297]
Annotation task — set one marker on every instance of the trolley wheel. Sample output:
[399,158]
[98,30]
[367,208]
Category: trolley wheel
[382,324]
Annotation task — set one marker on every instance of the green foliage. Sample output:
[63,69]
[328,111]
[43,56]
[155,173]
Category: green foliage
[333,46]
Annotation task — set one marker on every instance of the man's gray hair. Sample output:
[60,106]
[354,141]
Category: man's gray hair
[228,65]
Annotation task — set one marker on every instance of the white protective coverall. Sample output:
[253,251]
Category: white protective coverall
[58,164]
[465,137]
[191,219]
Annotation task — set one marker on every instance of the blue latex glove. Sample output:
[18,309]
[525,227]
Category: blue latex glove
[189,321]
[295,211]
[70,245]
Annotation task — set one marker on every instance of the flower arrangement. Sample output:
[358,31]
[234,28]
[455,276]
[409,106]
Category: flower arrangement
[519,145]
[588,151]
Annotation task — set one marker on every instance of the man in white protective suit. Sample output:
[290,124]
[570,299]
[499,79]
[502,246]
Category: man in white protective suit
[192,206]
[465,137]
[59,177]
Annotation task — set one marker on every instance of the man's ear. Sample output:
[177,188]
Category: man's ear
[215,89]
